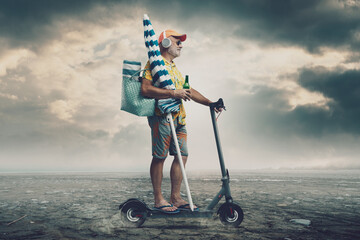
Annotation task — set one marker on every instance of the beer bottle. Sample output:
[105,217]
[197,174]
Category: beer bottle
[186,84]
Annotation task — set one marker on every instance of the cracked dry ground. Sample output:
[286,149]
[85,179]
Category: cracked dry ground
[85,206]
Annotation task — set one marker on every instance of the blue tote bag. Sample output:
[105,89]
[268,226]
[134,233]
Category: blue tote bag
[131,99]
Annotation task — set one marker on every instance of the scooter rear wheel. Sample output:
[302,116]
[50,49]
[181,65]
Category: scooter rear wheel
[231,214]
[133,214]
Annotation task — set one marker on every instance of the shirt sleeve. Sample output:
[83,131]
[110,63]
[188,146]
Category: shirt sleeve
[147,73]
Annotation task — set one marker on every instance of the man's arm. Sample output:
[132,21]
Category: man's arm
[148,90]
[199,98]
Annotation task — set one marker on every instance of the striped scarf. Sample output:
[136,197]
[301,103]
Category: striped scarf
[161,77]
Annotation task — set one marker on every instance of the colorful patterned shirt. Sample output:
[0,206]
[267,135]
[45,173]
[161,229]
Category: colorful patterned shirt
[178,80]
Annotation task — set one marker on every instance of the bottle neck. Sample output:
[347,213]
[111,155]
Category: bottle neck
[186,84]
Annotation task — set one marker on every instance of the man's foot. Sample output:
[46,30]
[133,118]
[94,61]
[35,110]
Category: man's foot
[186,207]
[161,209]
[166,207]
[183,205]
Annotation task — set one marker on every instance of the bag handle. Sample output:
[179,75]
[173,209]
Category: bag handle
[137,72]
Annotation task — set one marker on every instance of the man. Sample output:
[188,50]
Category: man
[160,128]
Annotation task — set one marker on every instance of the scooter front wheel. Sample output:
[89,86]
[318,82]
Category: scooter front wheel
[133,214]
[231,214]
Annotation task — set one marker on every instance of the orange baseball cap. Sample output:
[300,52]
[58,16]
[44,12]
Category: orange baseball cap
[173,33]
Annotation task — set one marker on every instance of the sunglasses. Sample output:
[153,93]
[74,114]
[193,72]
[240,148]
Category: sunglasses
[178,42]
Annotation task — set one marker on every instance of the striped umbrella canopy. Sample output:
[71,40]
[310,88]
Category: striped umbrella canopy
[161,77]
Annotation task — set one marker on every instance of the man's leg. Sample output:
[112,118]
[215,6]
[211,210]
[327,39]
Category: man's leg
[161,136]
[176,179]
[156,173]
[175,171]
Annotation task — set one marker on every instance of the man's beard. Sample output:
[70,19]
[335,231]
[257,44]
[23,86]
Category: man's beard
[173,51]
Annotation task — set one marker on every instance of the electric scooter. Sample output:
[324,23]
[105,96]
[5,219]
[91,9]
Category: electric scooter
[134,211]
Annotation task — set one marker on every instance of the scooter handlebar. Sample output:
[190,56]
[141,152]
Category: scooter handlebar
[219,104]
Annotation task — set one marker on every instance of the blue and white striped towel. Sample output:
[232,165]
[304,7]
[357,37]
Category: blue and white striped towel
[161,77]
[131,69]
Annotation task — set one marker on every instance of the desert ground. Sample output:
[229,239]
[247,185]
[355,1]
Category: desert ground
[277,205]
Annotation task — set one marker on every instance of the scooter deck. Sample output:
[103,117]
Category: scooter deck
[182,214]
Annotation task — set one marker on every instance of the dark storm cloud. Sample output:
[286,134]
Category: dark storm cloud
[29,23]
[343,88]
[271,115]
[310,24]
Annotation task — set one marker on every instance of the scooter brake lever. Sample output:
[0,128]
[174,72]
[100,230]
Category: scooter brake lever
[218,105]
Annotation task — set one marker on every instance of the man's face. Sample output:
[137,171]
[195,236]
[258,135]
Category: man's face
[175,48]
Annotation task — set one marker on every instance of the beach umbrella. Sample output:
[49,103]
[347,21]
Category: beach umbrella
[162,79]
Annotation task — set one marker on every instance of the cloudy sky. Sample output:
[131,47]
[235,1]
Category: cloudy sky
[288,71]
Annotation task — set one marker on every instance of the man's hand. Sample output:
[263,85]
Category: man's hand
[218,110]
[184,94]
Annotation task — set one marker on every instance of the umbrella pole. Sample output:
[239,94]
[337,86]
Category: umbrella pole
[171,121]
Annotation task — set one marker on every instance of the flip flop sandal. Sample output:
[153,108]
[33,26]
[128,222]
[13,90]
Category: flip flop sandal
[160,209]
[186,207]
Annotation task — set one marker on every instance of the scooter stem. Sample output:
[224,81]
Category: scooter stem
[217,140]
[169,118]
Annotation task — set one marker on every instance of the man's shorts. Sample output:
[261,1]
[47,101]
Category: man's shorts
[162,140]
